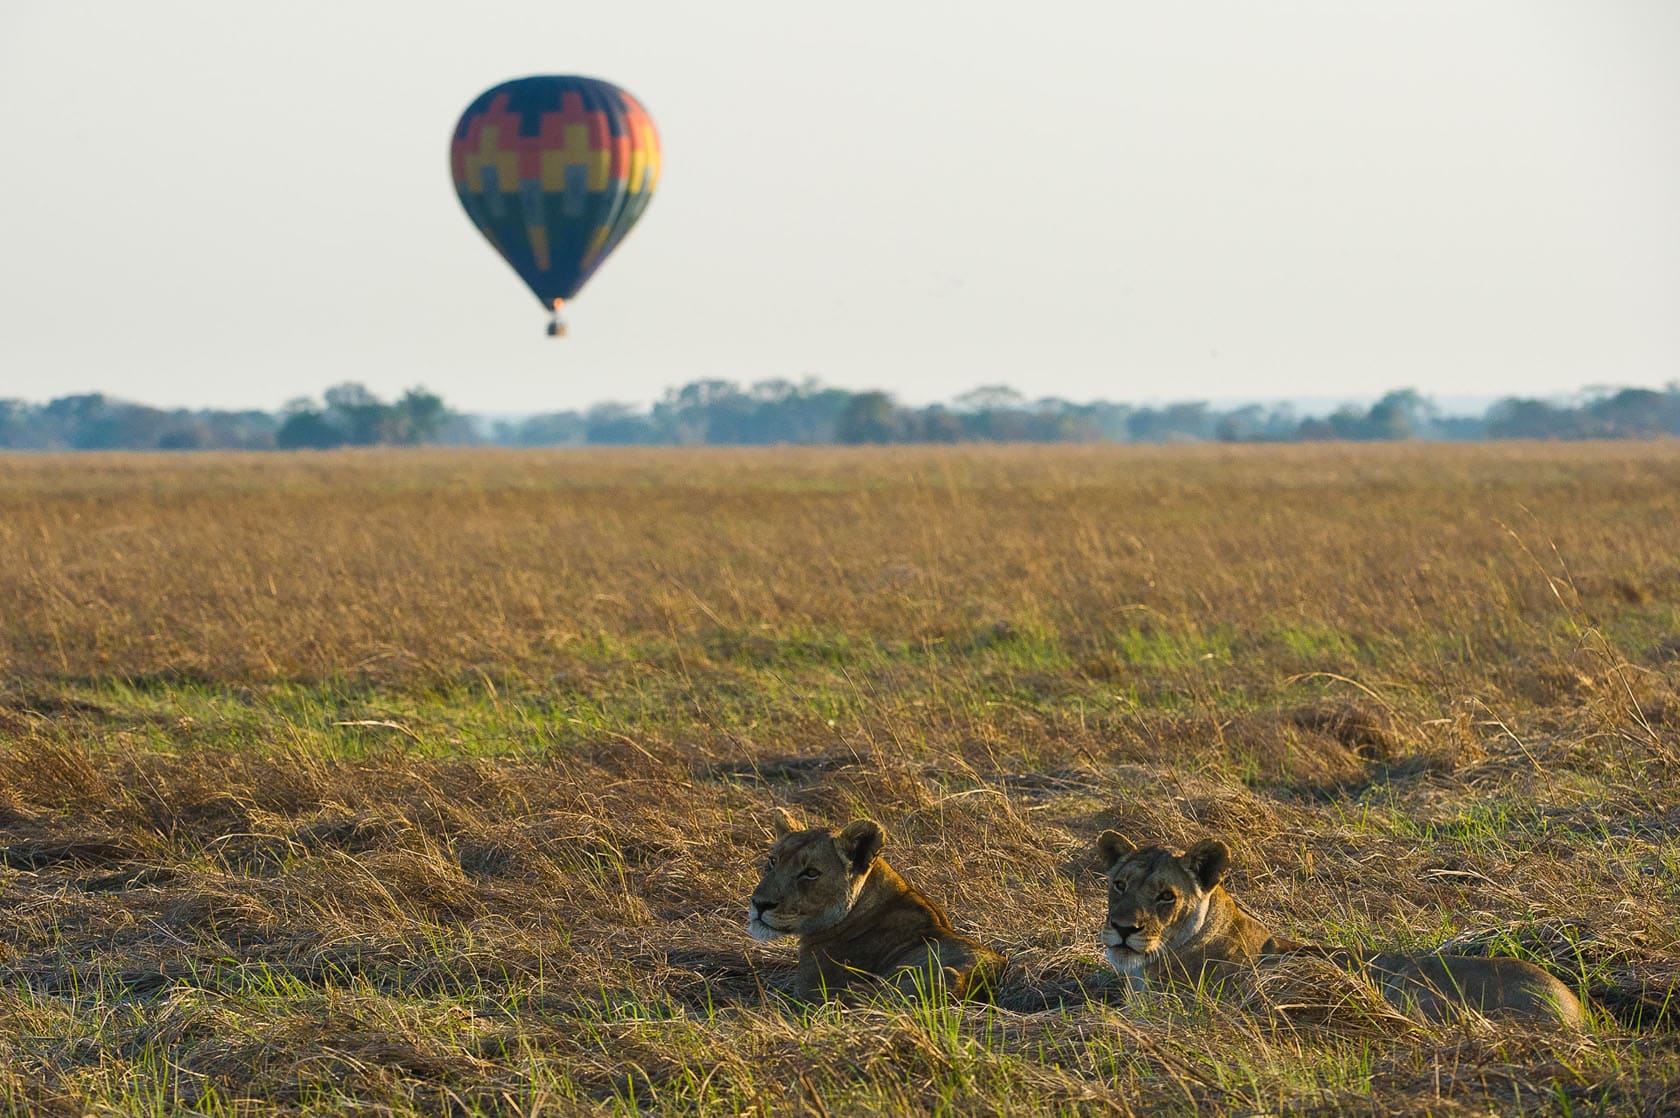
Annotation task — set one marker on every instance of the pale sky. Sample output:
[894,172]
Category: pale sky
[231,204]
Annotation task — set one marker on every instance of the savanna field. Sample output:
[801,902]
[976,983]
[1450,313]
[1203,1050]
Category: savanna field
[436,782]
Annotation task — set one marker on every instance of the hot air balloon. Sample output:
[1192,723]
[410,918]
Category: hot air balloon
[554,171]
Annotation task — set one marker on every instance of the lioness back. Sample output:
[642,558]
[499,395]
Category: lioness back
[1494,985]
[856,918]
[1170,918]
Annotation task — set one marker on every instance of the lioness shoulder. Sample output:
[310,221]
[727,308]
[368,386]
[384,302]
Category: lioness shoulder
[1170,917]
[857,918]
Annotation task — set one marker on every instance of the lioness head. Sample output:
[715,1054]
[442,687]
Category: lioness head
[812,877]
[1156,898]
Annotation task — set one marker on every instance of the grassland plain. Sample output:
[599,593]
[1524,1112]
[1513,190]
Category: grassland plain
[436,782]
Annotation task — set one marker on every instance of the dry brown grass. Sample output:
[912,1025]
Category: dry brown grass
[396,566]
[436,782]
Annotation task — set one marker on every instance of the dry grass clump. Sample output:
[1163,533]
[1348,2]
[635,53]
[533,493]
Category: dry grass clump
[436,783]
[1318,996]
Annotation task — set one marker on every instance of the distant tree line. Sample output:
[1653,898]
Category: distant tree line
[720,412]
[348,415]
[97,422]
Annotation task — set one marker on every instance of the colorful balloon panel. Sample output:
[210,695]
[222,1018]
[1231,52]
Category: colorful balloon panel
[554,171]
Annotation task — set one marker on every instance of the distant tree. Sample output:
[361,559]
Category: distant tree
[15,424]
[243,430]
[1400,415]
[998,413]
[359,416]
[1173,423]
[1313,430]
[1187,421]
[1278,423]
[1459,428]
[565,428]
[1632,413]
[989,397]
[870,417]
[773,392]
[1348,422]
[1001,425]
[1109,420]
[308,429]
[779,411]
[187,433]
[714,411]
[85,420]
[620,425]
[811,414]
[1513,418]
[1240,424]
[941,425]
[417,417]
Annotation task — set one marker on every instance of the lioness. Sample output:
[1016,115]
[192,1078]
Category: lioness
[1170,918]
[856,917]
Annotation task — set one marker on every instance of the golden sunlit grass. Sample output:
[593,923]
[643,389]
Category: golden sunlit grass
[437,781]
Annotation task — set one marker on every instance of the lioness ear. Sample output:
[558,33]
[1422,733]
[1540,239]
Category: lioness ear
[1113,846]
[1207,862]
[860,842]
[784,823]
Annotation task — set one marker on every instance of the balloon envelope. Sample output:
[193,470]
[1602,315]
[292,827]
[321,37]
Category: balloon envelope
[554,171]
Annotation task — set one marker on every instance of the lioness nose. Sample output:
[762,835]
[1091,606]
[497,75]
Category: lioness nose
[1124,933]
[761,907]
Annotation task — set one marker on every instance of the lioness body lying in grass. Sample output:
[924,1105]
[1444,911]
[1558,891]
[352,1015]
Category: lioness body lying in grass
[856,918]
[1170,919]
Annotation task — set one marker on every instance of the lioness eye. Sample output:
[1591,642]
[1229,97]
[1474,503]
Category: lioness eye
[1165,898]
[813,872]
